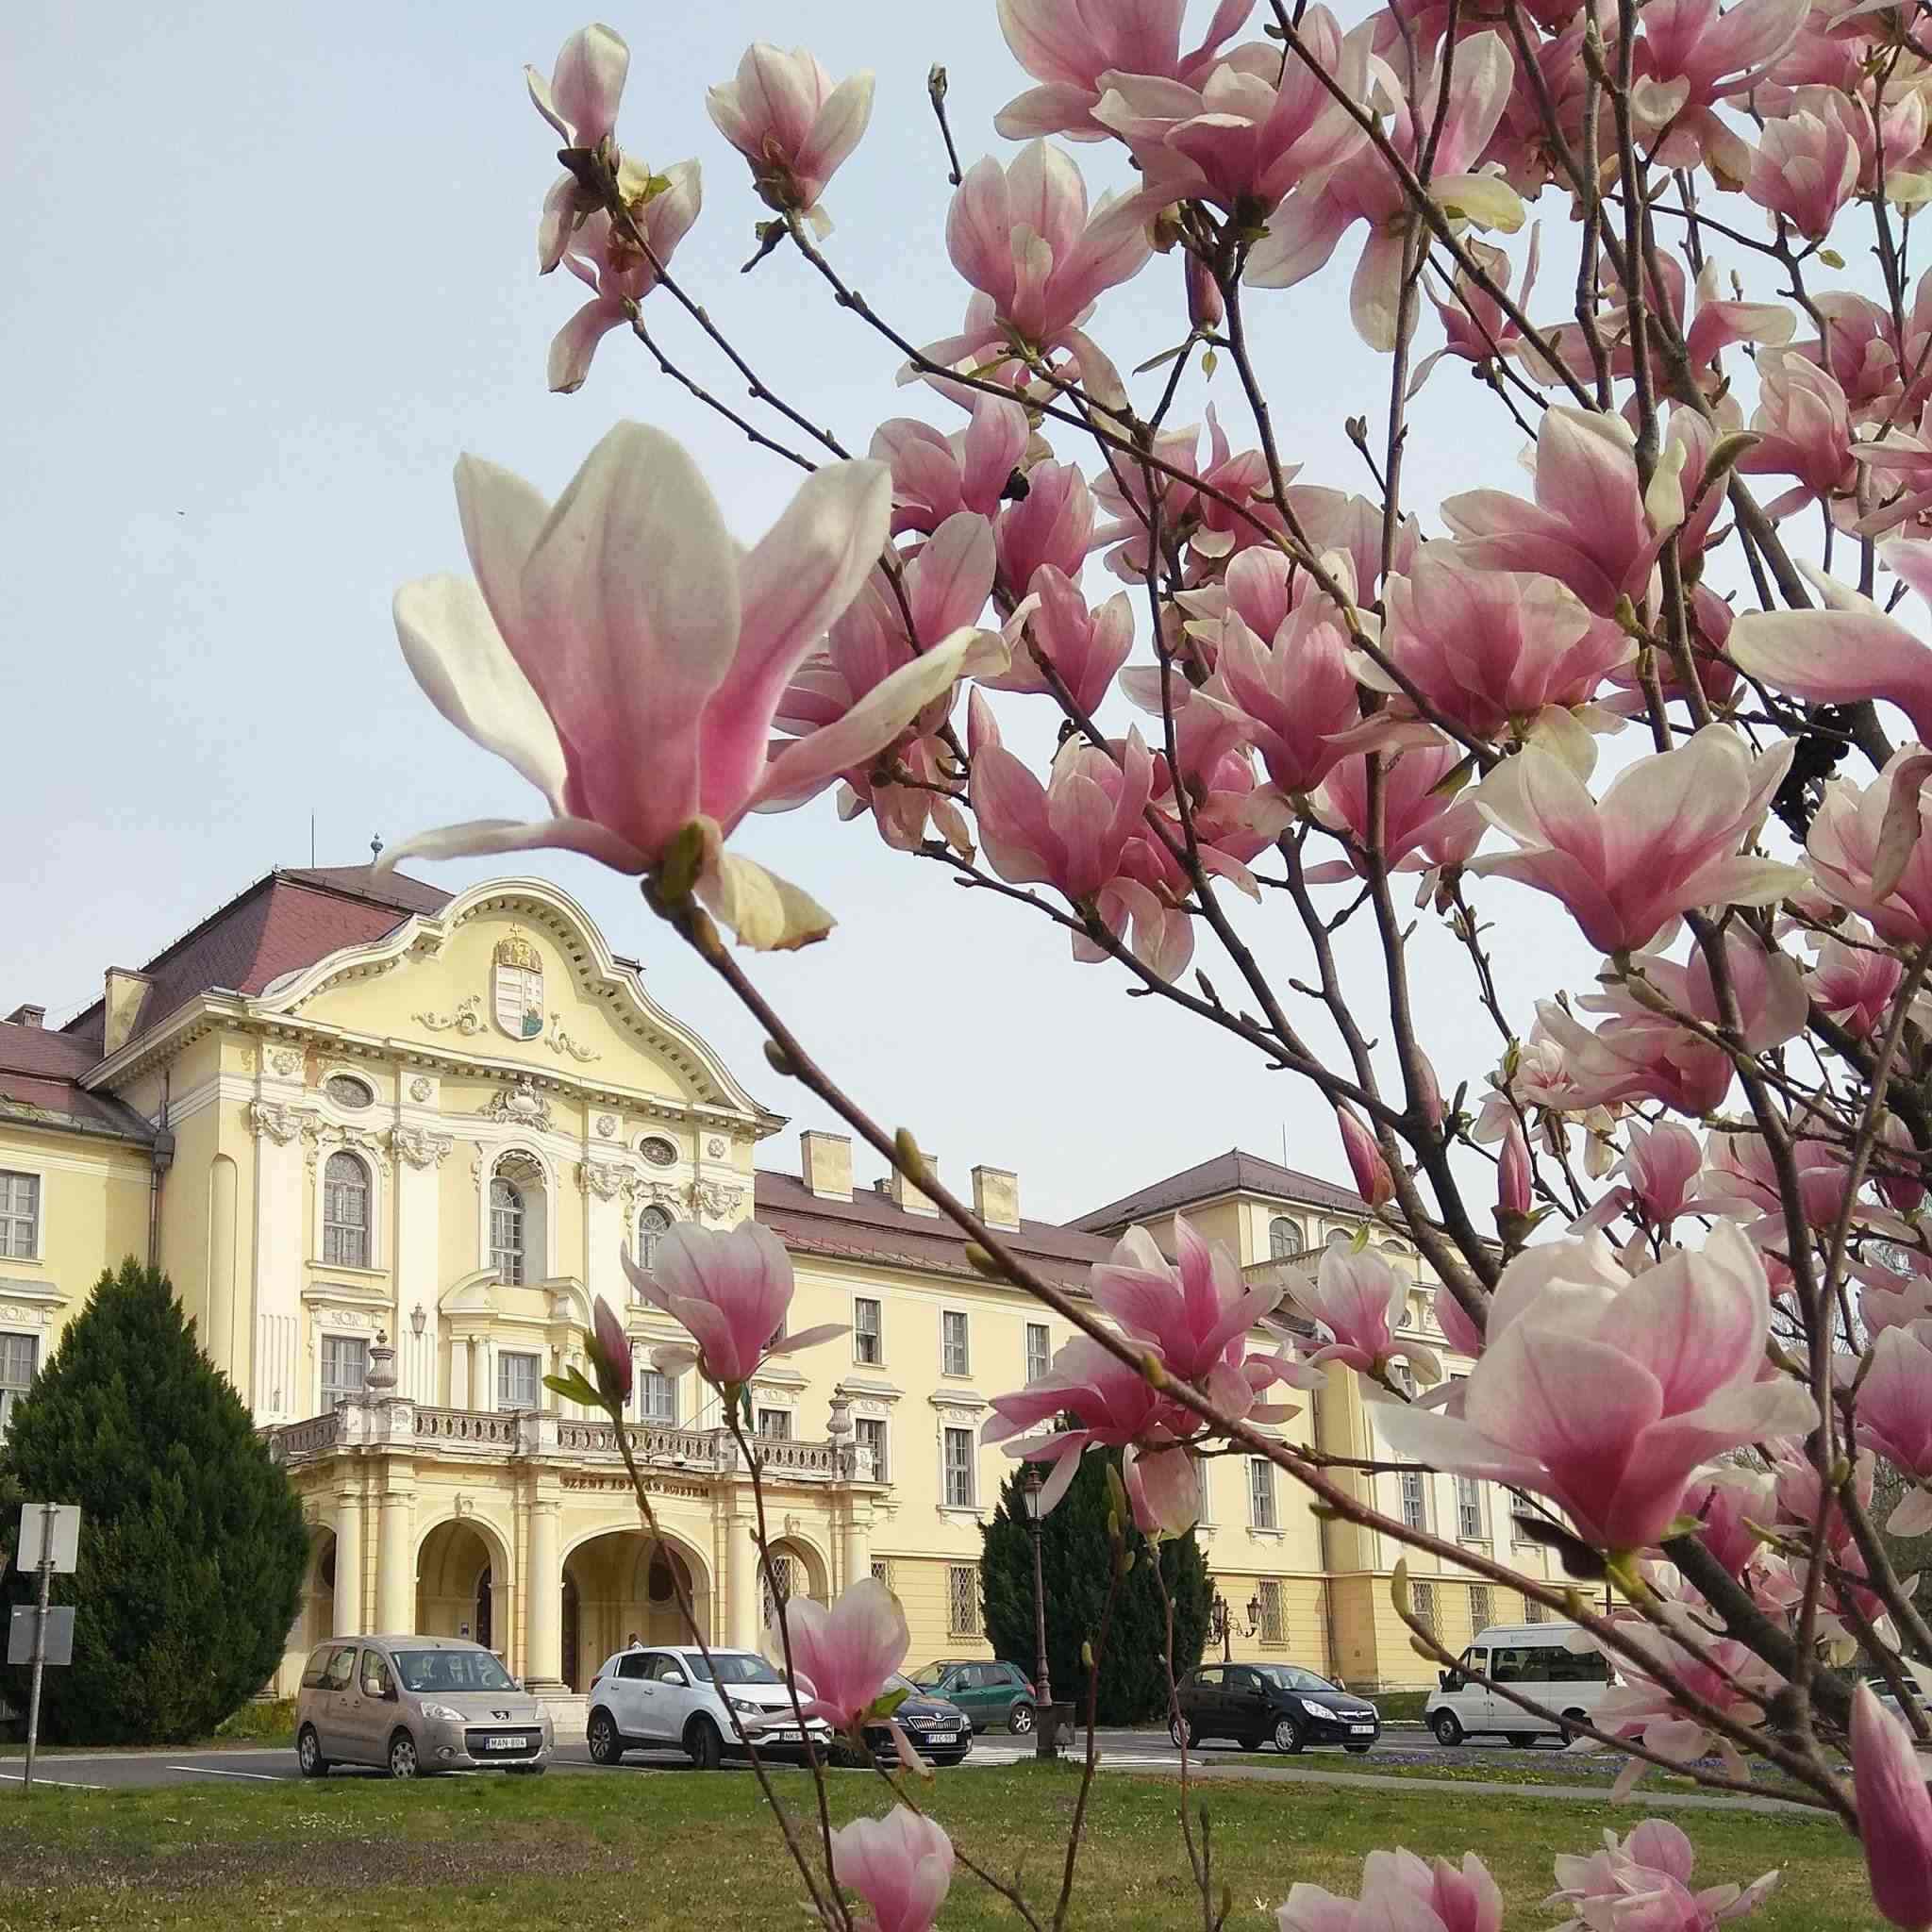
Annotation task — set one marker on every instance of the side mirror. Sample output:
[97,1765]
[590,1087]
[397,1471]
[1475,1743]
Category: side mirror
[679,1679]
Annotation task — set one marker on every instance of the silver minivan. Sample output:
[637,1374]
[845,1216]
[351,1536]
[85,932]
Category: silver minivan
[415,1705]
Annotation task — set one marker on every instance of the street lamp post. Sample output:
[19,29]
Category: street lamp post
[1043,1683]
[1221,1624]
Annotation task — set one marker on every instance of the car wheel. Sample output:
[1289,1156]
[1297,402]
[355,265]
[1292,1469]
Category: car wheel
[1182,1732]
[1357,1750]
[1565,1734]
[602,1735]
[402,1756]
[1287,1736]
[309,1753]
[1020,1720]
[1447,1728]
[1521,1741]
[705,1746]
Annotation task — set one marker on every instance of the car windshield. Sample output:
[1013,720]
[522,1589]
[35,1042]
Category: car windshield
[733,1667]
[925,1678]
[451,1670]
[896,1682]
[1287,1678]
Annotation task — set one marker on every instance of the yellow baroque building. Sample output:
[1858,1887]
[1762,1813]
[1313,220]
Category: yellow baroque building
[388,1142]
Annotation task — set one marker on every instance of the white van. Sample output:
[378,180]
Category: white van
[1557,1665]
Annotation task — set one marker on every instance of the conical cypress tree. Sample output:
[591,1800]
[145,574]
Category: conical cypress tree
[193,1547]
[1075,1560]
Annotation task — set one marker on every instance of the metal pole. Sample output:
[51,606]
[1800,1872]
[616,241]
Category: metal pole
[1041,1682]
[33,1698]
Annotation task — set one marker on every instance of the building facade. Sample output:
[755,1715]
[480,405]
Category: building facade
[388,1142]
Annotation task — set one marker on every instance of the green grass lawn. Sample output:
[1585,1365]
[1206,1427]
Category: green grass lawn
[681,1849]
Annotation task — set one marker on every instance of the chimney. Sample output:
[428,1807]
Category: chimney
[126,992]
[906,1194]
[27,1016]
[828,1162]
[996,1196]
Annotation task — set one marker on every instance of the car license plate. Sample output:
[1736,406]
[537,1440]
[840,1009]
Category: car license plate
[943,1737]
[1363,1730]
[503,1745]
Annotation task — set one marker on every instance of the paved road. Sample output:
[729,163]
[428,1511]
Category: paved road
[1124,1750]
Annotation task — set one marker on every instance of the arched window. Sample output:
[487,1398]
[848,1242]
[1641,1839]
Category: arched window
[652,1224]
[346,1212]
[518,1251]
[1284,1239]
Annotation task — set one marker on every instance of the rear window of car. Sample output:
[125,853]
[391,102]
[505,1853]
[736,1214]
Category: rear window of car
[317,1667]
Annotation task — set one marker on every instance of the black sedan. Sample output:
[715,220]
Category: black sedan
[940,1732]
[1252,1705]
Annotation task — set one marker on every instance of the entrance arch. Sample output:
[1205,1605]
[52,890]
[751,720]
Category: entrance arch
[463,1584]
[624,1583]
[800,1571]
[317,1620]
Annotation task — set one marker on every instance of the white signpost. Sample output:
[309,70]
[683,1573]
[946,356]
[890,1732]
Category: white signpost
[50,1546]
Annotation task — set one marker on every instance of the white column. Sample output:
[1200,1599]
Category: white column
[543,1597]
[459,1372]
[348,1618]
[280,1381]
[744,1596]
[416,1234]
[395,1560]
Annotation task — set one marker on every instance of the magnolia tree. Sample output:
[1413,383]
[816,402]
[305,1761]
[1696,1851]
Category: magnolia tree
[1680,1231]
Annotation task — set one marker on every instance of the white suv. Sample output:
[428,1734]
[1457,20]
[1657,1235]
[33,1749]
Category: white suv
[669,1696]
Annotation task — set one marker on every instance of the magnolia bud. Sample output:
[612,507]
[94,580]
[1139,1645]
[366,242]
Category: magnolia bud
[1372,1179]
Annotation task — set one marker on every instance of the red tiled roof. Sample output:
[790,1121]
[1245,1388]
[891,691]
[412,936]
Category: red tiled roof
[40,1075]
[872,1227]
[1233,1173]
[34,1050]
[281,924]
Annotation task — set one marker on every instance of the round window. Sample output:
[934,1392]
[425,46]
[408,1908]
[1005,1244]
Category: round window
[658,1150]
[346,1090]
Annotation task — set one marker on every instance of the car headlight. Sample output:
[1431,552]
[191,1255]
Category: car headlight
[1316,1710]
[746,1708]
[443,1714]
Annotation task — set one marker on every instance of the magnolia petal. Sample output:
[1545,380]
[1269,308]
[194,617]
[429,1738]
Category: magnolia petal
[480,837]
[768,913]
[1487,200]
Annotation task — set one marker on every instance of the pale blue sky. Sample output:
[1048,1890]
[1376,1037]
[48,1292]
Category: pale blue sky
[274,270]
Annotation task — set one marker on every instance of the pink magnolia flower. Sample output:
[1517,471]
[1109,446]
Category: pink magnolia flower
[1895,1813]
[1292,684]
[1400,1892]
[1734,1507]
[1070,833]
[1661,1165]
[627,616]
[1194,1308]
[730,1291]
[1662,840]
[1807,165]
[1459,1329]
[1488,649]
[1642,1884]
[618,274]
[1421,827]
[1740,1176]
[1023,238]
[579,101]
[785,117]
[1086,648]
[935,477]
[1477,328]
[1163,1487]
[1513,1175]
[1606,1398]
[1251,131]
[1804,429]
[1849,651]
[1112,1405]
[1304,231]
[1069,45]
[1854,982]
[1050,527]
[1895,1417]
[1692,57]
[611,1354]
[1373,1180]
[841,1657]
[1865,355]
[1359,1299]
[1844,847]
[901,1865]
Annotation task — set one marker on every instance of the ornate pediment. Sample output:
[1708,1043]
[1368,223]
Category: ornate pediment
[519,1104]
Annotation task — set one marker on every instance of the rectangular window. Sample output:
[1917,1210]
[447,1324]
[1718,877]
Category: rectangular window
[774,1425]
[20,1216]
[517,1378]
[20,1356]
[1415,1499]
[953,1331]
[1471,1523]
[1533,1612]
[779,1571]
[1273,1620]
[868,1340]
[958,1470]
[1261,1493]
[1039,1351]
[657,1398]
[882,1570]
[871,1435]
[1479,1616]
[1421,1597]
[344,1364]
[344,1212]
[962,1597]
